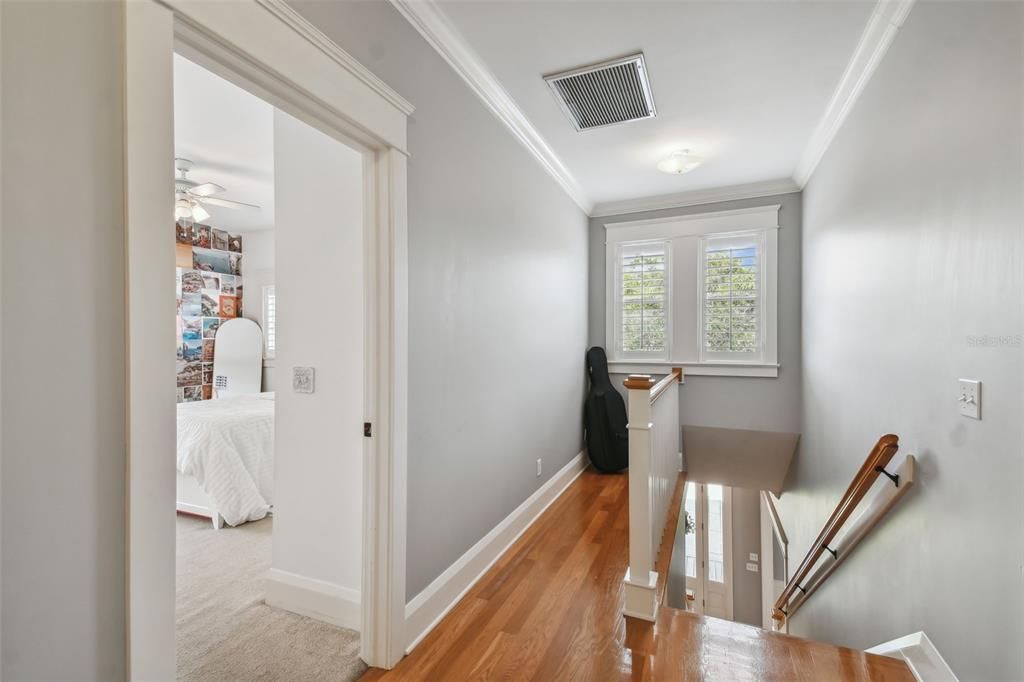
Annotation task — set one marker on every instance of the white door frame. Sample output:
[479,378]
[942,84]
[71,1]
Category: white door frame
[265,47]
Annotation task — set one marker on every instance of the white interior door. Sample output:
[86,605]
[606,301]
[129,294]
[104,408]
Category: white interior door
[709,549]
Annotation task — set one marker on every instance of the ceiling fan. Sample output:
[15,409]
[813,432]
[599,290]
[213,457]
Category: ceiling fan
[189,195]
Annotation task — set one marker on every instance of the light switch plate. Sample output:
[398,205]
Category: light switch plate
[752,568]
[303,379]
[752,556]
[970,398]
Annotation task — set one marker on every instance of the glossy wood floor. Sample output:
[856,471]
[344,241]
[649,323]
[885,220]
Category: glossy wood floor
[551,609]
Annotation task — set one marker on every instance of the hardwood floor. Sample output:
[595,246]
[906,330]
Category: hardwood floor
[551,609]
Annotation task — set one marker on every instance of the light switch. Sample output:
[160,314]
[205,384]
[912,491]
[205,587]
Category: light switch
[303,379]
[753,556]
[752,568]
[970,398]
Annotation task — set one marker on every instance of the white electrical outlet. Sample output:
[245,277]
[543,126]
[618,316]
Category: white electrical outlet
[752,568]
[970,398]
[540,466]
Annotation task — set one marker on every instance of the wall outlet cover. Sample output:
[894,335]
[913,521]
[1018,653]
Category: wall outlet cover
[303,379]
[752,568]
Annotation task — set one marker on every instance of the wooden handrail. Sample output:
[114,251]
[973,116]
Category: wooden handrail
[879,457]
[674,378]
[646,382]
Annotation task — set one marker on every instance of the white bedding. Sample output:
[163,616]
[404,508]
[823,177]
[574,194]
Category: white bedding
[227,444]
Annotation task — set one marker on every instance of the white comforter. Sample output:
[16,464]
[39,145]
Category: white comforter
[228,446]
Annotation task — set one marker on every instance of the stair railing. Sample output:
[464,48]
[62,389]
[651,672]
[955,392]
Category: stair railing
[843,531]
[655,444]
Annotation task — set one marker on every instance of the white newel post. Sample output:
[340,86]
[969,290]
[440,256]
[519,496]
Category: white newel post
[641,579]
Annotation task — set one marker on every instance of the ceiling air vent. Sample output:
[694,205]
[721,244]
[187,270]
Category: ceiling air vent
[604,94]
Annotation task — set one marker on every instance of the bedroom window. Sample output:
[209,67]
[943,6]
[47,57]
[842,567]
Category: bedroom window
[269,322]
[698,291]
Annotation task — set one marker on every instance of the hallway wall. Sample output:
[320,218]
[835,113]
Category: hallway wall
[913,278]
[63,303]
[497,298]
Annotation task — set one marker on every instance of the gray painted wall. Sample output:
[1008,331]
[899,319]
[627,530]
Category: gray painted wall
[912,246]
[497,299]
[732,402]
[746,538]
[63,302]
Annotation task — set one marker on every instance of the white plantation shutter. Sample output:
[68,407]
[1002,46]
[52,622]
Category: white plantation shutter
[269,322]
[732,297]
[643,298]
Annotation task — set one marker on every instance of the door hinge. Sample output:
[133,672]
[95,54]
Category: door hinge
[367,429]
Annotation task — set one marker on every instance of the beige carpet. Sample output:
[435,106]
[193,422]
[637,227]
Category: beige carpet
[226,632]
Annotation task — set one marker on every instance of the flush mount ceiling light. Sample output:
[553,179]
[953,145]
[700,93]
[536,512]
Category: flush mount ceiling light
[680,162]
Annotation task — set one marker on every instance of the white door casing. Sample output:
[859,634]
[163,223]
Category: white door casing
[266,48]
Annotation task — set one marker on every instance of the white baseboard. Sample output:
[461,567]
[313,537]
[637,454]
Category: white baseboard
[921,656]
[317,599]
[432,604]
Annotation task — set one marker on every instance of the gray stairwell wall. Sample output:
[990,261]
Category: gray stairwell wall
[913,278]
[497,298]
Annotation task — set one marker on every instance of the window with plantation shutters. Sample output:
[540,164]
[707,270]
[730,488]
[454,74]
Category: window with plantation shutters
[698,291]
[643,299]
[269,322]
[731,306]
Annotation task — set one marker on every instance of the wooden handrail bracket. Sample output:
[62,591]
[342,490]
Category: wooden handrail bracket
[806,579]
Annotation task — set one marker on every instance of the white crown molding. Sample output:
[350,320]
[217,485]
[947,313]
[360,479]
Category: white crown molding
[882,27]
[695,197]
[427,18]
[319,39]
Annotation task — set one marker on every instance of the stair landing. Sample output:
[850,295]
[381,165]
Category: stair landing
[551,609]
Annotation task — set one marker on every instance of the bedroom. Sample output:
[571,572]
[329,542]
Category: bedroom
[257,200]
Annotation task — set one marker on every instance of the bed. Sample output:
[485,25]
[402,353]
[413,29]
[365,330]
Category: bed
[226,458]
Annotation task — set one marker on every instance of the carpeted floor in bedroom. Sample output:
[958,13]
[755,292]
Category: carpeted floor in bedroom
[226,632]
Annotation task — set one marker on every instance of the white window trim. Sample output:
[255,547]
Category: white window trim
[763,219]
[268,353]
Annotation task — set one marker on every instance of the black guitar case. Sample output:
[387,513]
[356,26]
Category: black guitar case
[605,417]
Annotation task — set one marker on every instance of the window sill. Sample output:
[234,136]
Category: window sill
[713,369]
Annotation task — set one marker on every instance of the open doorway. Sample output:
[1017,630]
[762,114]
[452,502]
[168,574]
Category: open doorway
[269,268]
[271,53]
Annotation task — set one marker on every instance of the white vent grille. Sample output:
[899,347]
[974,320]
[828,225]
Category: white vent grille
[604,94]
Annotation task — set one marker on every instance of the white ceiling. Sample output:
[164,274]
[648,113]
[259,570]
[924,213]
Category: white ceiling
[229,134]
[743,84]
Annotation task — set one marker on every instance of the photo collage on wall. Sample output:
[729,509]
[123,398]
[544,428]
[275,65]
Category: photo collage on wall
[208,285]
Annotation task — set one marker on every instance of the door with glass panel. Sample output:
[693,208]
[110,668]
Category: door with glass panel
[709,549]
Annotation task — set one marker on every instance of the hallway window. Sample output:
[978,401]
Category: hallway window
[731,309]
[643,299]
[698,291]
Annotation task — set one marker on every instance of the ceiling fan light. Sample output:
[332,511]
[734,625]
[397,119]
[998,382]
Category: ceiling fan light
[199,213]
[182,210]
[679,162]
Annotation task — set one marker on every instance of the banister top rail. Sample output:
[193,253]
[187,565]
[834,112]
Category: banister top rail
[646,382]
[875,463]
